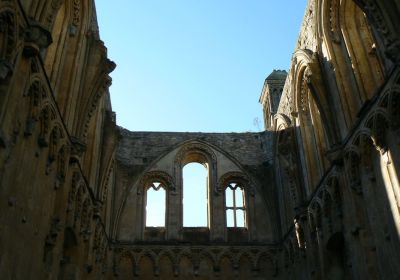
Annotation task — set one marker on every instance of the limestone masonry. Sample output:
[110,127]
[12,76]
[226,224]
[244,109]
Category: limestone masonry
[314,196]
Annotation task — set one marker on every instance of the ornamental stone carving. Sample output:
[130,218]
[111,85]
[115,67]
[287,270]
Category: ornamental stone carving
[37,38]
[156,176]
[235,177]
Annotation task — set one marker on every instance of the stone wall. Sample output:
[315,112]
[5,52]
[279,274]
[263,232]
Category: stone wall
[139,153]
[51,126]
[321,185]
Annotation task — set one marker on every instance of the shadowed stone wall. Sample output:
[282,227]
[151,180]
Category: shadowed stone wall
[321,185]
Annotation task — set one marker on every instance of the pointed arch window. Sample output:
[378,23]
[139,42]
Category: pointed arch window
[155,205]
[235,206]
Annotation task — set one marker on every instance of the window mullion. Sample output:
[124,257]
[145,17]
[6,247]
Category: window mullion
[234,208]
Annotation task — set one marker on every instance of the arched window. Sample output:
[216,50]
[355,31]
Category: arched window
[361,47]
[195,194]
[155,205]
[235,205]
[313,135]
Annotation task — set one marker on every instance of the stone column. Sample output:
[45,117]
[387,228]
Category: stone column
[174,213]
[216,210]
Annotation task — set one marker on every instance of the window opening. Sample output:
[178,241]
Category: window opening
[195,197]
[155,205]
[235,206]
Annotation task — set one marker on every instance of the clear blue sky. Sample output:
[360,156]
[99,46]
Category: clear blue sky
[195,65]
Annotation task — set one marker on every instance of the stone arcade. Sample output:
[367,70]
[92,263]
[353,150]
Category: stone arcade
[320,184]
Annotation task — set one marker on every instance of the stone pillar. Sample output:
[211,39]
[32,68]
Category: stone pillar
[251,221]
[217,220]
[174,213]
[140,210]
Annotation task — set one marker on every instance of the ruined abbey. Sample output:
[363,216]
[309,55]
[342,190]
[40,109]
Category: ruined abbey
[314,196]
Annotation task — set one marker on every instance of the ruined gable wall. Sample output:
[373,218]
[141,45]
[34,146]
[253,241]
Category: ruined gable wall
[141,152]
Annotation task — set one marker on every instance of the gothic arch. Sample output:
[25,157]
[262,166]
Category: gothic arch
[168,254]
[312,134]
[281,121]
[335,53]
[245,255]
[47,116]
[56,139]
[156,176]
[100,84]
[205,254]
[149,254]
[206,264]
[78,204]
[59,24]
[77,54]
[66,26]
[267,265]
[171,162]
[37,94]
[378,193]
[118,262]
[307,71]
[196,152]
[9,41]
[41,10]
[185,253]
[287,159]
[264,254]
[361,47]
[143,184]
[247,186]
[384,17]
[237,177]
[108,175]
[350,48]
[226,255]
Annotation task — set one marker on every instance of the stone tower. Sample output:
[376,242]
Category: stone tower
[271,95]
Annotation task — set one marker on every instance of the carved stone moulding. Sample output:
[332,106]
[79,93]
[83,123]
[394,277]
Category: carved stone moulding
[236,177]
[78,148]
[195,254]
[156,176]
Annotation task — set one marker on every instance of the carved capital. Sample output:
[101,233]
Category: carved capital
[37,38]
[308,73]
[78,148]
[98,207]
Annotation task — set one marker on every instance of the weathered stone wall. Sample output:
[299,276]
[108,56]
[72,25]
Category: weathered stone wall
[322,186]
[55,115]
[250,153]
[139,149]
[333,153]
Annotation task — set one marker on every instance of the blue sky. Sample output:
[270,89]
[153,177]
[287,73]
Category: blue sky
[195,65]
